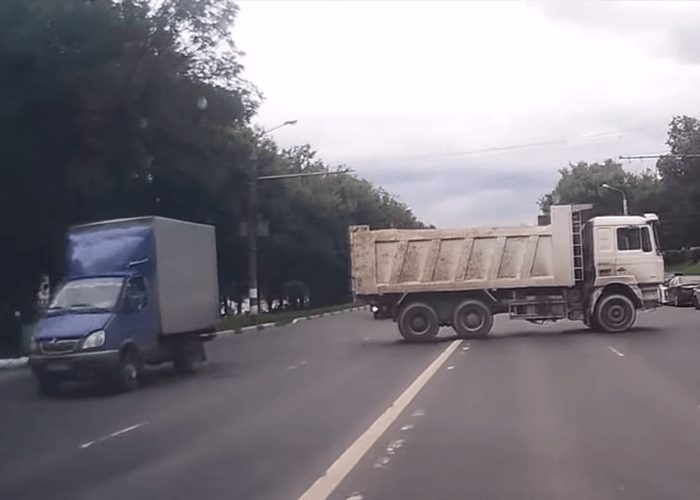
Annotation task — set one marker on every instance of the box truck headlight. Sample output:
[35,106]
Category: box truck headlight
[95,339]
[375,309]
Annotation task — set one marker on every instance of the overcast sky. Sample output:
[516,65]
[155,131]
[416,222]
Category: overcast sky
[411,94]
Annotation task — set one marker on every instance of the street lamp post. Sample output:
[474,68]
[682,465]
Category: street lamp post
[624,197]
[253,222]
[253,292]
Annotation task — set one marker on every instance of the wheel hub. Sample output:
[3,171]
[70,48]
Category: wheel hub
[472,320]
[419,323]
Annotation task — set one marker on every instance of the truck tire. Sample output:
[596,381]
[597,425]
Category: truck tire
[615,313]
[48,385]
[187,356]
[126,375]
[696,303]
[418,322]
[472,319]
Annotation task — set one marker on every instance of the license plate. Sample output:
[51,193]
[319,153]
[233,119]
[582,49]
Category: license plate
[57,367]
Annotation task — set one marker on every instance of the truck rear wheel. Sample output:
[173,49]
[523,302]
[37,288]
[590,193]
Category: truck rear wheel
[615,313]
[418,322]
[187,356]
[472,319]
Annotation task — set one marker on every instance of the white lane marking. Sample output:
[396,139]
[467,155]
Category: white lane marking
[465,348]
[408,427]
[296,365]
[621,354]
[326,484]
[355,496]
[451,367]
[112,435]
[420,412]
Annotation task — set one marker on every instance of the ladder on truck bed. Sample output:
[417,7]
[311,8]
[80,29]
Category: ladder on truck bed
[577,240]
[577,221]
[548,306]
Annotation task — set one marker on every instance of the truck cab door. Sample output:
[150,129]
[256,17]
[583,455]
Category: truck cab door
[636,255]
[605,253]
[141,319]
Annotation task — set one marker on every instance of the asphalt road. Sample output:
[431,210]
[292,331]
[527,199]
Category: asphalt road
[533,412]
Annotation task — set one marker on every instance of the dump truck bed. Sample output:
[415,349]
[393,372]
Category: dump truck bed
[433,260]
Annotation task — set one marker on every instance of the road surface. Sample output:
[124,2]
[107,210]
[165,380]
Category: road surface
[541,412]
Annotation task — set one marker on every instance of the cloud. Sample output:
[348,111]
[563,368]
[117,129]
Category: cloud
[425,98]
[667,29]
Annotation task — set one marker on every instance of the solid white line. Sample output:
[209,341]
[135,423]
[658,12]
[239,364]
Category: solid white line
[113,434]
[325,485]
[621,354]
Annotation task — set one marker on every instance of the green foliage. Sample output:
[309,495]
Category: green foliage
[673,191]
[582,183]
[113,109]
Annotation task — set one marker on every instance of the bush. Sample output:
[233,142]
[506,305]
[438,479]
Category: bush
[695,254]
[673,257]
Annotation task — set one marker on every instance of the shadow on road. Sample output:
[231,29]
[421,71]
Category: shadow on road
[640,331]
[153,378]
[634,332]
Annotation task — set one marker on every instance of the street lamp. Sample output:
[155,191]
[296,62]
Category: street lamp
[253,222]
[253,210]
[624,198]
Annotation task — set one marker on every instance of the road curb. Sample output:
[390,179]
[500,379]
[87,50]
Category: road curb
[12,363]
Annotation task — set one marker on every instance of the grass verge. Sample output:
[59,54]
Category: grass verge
[278,318]
[686,268]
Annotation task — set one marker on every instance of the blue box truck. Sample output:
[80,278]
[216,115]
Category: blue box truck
[136,292]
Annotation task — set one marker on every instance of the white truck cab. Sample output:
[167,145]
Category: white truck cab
[626,251]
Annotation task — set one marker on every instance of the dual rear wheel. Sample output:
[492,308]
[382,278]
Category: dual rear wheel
[419,321]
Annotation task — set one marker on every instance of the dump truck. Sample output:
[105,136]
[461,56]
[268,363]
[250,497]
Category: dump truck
[136,292]
[598,270]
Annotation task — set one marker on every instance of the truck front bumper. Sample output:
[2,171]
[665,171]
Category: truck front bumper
[75,365]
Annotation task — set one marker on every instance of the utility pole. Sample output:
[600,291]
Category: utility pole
[253,292]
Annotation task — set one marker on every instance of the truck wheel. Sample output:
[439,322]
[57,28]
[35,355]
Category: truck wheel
[615,313]
[594,325]
[472,319]
[128,371]
[47,385]
[187,356]
[696,303]
[418,322]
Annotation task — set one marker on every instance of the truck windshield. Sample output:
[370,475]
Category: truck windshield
[89,294]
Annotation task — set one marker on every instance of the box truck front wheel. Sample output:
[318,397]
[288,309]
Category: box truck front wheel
[418,322]
[47,384]
[614,313]
[128,371]
[472,319]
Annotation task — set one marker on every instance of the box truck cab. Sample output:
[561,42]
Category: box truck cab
[136,292]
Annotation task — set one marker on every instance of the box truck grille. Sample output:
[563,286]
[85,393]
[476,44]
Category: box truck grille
[55,346]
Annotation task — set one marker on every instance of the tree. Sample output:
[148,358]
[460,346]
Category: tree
[112,109]
[582,183]
[680,184]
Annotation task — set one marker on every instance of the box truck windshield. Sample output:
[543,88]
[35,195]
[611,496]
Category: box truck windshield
[88,294]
